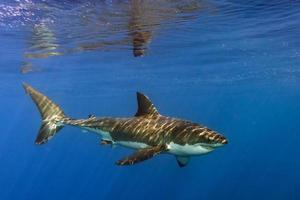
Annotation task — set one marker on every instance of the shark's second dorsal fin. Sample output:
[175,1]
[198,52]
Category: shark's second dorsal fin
[145,107]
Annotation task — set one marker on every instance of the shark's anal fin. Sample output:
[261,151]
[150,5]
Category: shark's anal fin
[105,142]
[182,160]
[141,155]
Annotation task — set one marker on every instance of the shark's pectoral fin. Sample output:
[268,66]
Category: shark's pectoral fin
[141,155]
[182,160]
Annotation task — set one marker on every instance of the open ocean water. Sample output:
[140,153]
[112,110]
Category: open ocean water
[233,66]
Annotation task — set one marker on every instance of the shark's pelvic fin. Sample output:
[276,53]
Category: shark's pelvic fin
[50,112]
[182,160]
[106,142]
[145,106]
[141,155]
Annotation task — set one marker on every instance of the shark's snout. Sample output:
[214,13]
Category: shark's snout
[224,141]
[219,140]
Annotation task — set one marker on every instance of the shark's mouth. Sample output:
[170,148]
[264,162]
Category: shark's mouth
[209,148]
[206,146]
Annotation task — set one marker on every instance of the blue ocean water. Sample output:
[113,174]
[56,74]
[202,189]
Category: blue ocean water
[231,65]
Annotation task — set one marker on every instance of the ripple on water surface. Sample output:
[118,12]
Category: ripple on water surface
[196,41]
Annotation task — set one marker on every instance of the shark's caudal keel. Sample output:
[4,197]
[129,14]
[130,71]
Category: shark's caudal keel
[148,132]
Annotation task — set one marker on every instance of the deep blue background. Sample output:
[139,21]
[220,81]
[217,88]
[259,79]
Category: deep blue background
[234,67]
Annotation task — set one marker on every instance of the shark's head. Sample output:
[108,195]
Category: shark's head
[209,138]
[197,141]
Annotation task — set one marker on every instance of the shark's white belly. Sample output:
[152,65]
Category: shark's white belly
[134,145]
[187,150]
[106,136]
[173,148]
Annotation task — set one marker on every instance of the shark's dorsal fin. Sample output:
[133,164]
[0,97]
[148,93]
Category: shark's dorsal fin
[145,107]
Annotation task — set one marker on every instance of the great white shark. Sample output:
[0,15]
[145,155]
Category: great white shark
[148,132]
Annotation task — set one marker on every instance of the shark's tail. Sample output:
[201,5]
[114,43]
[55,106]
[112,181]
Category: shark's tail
[52,115]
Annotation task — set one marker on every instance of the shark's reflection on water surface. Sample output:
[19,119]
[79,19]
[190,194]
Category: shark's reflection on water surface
[103,26]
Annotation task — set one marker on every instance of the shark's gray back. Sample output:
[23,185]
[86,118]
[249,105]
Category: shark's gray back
[161,130]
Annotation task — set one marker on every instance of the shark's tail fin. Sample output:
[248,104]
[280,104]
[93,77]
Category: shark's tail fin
[51,114]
